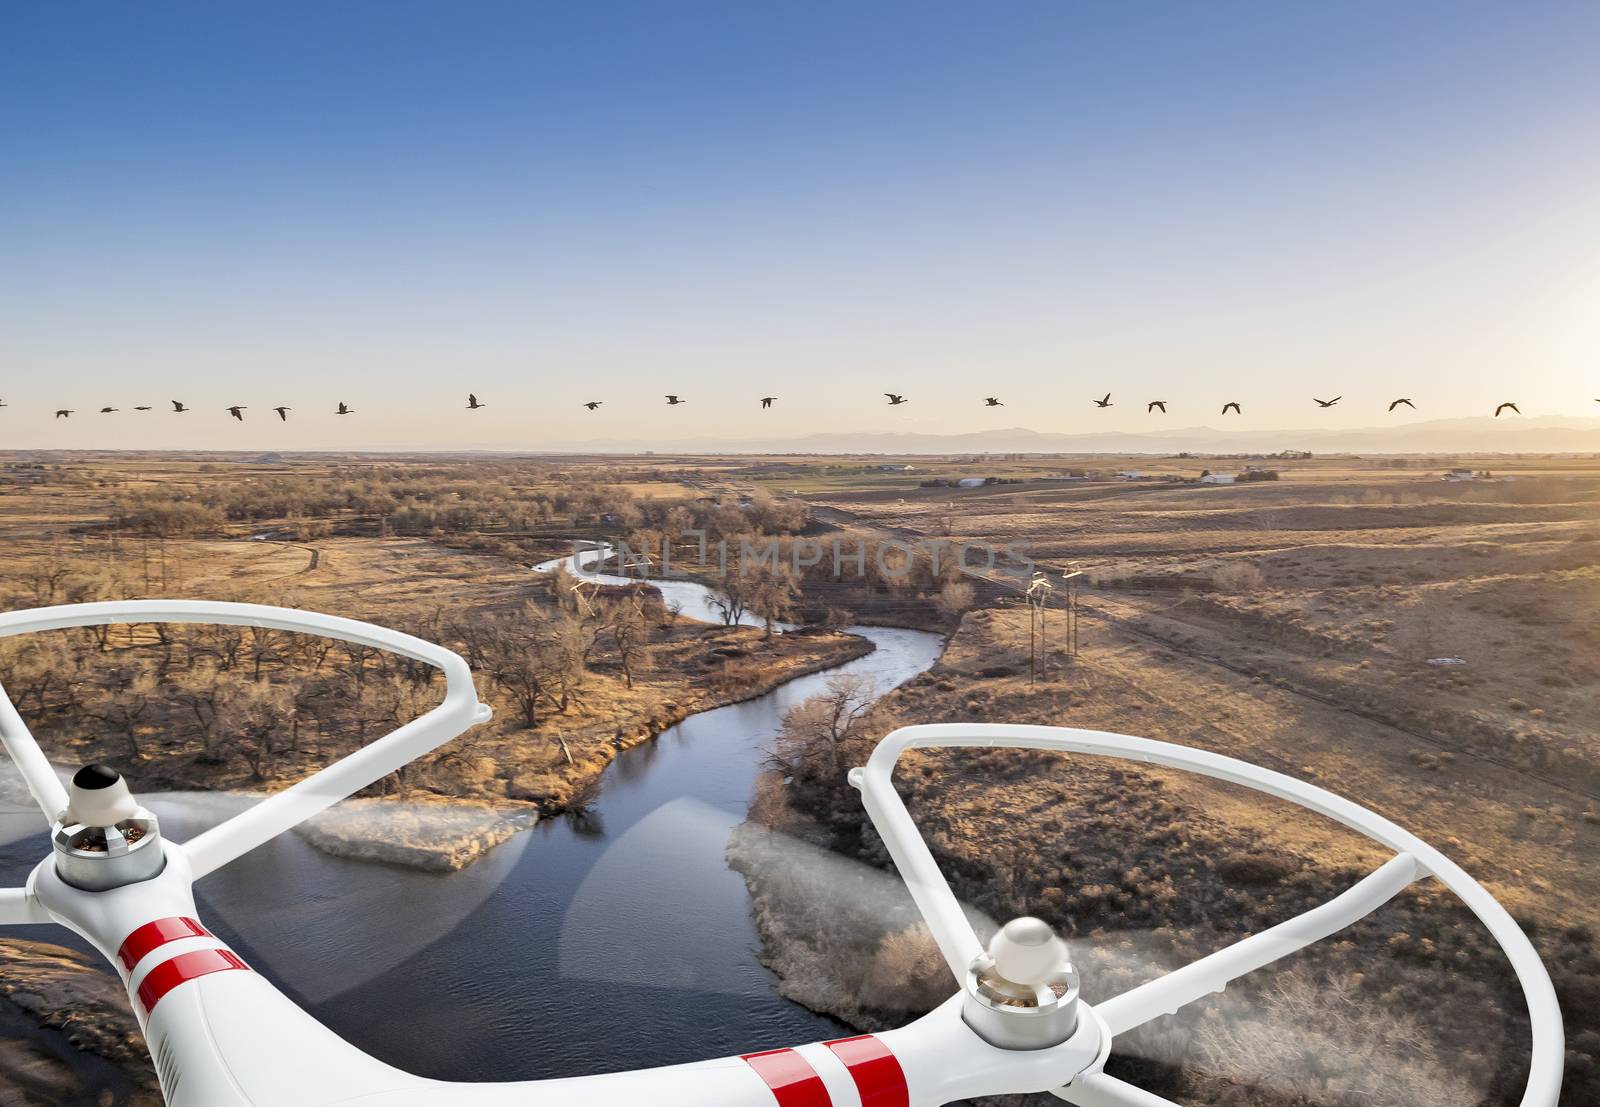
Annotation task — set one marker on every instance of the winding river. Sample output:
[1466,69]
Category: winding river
[614,942]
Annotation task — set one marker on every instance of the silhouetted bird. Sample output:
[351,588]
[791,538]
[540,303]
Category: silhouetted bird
[237,411]
[1505,405]
[177,406]
[1328,403]
[283,413]
[1105,402]
[673,401]
[1233,404]
[1400,401]
[894,400]
[592,404]
[142,407]
[2,403]
[991,401]
[107,410]
[472,401]
[64,413]
[1153,404]
[344,409]
[766,401]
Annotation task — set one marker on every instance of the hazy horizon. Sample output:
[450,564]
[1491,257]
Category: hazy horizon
[393,204]
[1468,436]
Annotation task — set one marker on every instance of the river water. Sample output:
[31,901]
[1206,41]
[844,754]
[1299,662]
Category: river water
[618,941]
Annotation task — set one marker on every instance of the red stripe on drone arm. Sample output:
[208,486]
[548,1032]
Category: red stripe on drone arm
[877,1074]
[794,1083]
[182,969]
[153,935]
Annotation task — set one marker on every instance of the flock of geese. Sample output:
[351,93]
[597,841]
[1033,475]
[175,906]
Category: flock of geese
[673,400]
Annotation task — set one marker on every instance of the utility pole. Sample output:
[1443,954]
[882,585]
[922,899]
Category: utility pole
[1038,596]
[1071,580]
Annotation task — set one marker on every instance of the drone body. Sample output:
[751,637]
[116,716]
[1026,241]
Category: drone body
[222,1035]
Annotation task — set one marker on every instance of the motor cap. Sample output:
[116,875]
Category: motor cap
[1027,951]
[98,796]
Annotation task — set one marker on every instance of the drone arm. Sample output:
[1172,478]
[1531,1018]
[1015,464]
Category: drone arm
[1211,974]
[1096,1089]
[18,907]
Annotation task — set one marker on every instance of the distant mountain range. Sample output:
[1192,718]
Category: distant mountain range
[1472,435]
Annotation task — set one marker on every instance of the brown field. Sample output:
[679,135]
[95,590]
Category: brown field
[1287,622]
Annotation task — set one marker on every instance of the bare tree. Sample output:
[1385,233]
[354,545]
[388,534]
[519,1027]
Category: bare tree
[773,593]
[630,633]
[730,594]
[252,720]
[122,703]
[818,733]
[263,646]
[223,642]
[955,597]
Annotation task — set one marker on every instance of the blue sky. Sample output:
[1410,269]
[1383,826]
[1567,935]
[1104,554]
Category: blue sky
[391,203]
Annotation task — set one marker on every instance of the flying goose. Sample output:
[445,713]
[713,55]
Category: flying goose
[1328,403]
[1237,410]
[1505,405]
[673,401]
[344,409]
[992,401]
[766,401]
[592,404]
[1400,401]
[1106,402]
[895,400]
[472,401]
[237,411]
[283,413]
[177,406]
[1153,404]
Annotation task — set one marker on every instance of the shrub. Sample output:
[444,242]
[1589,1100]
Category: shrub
[1239,577]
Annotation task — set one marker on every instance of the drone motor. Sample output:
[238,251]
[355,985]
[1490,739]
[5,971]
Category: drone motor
[1022,992]
[104,839]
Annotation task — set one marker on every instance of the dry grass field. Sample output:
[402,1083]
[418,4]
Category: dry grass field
[1286,621]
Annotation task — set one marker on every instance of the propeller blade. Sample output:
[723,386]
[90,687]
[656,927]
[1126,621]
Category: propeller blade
[322,887]
[1309,1036]
[635,885]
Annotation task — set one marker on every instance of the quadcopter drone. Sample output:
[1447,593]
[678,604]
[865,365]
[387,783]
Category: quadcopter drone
[222,1036]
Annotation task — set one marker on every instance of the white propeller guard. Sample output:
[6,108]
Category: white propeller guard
[1162,996]
[214,848]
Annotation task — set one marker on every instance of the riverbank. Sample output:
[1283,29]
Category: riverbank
[68,1037]
[434,837]
[720,666]
[440,833]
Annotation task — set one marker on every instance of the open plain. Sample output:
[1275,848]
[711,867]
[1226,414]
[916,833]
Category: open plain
[1417,633]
